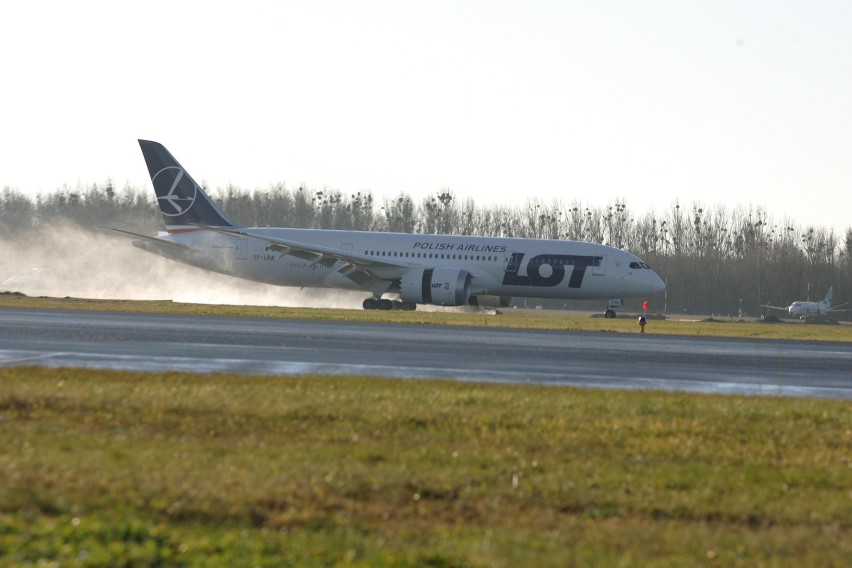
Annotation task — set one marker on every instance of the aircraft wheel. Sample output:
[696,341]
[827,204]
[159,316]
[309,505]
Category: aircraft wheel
[409,306]
[609,314]
[384,304]
[370,304]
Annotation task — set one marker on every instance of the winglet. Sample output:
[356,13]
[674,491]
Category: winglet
[182,202]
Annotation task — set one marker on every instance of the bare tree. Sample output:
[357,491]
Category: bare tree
[439,214]
[17,212]
[399,214]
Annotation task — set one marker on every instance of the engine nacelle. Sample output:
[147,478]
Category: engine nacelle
[443,286]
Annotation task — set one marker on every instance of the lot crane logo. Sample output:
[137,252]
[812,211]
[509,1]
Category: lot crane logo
[180,196]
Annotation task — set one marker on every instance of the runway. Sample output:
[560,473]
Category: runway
[208,344]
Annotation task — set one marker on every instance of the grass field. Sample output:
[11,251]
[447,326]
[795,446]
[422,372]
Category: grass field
[127,469]
[521,319]
[105,468]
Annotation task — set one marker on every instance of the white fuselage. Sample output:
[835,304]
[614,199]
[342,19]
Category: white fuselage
[498,266]
[802,309]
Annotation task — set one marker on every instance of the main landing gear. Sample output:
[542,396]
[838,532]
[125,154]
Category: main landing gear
[384,304]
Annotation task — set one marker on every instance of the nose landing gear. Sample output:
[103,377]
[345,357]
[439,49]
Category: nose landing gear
[611,303]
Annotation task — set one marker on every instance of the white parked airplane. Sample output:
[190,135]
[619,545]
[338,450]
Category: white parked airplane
[802,309]
[418,269]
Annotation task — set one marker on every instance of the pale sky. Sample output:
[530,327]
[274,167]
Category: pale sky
[721,102]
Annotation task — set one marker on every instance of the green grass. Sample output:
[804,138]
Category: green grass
[108,469]
[518,319]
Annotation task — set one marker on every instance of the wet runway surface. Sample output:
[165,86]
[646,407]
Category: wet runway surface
[210,344]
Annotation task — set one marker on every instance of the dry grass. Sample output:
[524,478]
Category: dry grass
[178,469]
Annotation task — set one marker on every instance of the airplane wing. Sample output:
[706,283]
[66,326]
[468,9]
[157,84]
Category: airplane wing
[359,268]
[773,307]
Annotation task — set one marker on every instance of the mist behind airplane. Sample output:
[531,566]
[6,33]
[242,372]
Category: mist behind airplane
[444,270]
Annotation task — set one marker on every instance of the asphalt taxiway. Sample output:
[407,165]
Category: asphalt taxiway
[208,344]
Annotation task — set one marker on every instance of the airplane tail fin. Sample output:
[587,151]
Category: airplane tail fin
[182,201]
[829,295]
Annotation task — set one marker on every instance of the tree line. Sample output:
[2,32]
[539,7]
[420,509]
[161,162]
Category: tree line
[714,259]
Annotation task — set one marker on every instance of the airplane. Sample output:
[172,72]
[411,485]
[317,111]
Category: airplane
[443,270]
[803,309]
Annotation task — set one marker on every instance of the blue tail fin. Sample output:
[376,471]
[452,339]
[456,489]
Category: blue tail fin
[182,201]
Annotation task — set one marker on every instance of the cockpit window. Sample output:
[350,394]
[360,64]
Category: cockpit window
[635,265]
[643,265]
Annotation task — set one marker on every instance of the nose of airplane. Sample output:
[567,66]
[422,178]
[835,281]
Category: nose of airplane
[657,284]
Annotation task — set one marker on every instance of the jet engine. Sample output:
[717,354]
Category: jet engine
[443,286]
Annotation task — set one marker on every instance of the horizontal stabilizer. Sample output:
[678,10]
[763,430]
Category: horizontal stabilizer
[166,245]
